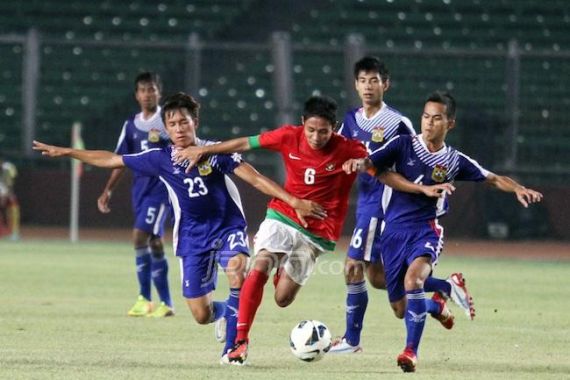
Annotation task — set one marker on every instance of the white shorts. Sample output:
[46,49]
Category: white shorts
[301,252]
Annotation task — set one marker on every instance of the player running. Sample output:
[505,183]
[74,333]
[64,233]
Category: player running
[313,156]
[374,123]
[143,131]
[209,224]
[411,237]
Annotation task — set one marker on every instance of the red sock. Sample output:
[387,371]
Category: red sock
[249,300]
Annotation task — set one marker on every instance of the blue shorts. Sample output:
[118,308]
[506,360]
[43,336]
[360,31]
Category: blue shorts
[200,271]
[150,216]
[365,241]
[401,246]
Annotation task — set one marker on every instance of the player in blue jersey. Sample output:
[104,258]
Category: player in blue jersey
[411,237]
[373,124]
[209,224]
[143,131]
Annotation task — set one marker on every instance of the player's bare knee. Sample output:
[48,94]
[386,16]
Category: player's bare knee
[265,262]
[377,282]
[412,283]
[202,315]
[283,300]
[155,245]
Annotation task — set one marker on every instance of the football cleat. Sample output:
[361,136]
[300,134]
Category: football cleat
[220,329]
[238,354]
[444,316]
[407,360]
[341,346]
[162,311]
[141,308]
[460,295]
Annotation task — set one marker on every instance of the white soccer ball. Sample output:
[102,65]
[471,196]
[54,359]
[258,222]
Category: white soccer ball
[310,340]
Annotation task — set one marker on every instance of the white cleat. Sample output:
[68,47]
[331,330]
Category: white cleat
[460,295]
[220,330]
[341,346]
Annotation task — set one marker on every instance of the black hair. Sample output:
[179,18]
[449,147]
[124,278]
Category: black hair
[321,106]
[180,101]
[445,98]
[148,77]
[372,64]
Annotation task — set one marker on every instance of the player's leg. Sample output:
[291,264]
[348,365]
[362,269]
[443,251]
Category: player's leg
[360,251]
[143,305]
[199,276]
[234,260]
[251,296]
[159,263]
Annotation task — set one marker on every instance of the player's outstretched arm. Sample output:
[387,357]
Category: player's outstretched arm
[525,196]
[357,165]
[303,208]
[99,158]
[195,153]
[105,197]
[400,183]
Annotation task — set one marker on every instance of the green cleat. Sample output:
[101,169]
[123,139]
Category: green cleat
[141,308]
[163,310]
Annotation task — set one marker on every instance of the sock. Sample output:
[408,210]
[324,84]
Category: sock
[433,284]
[231,315]
[356,302]
[432,307]
[415,318]
[218,310]
[249,300]
[159,270]
[143,271]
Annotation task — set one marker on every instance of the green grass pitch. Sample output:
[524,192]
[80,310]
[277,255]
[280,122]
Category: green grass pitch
[64,306]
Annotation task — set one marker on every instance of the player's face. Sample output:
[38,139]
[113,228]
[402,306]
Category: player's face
[318,131]
[435,123]
[147,95]
[181,127]
[370,87]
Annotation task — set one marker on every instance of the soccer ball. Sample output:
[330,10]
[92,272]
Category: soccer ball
[310,340]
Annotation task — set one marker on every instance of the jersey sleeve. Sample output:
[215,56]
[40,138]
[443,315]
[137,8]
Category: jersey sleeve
[122,143]
[145,163]
[275,139]
[386,156]
[226,163]
[358,150]
[406,127]
[470,170]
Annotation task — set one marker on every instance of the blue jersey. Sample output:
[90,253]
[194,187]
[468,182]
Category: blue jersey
[205,202]
[139,135]
[409,156]
[373,133]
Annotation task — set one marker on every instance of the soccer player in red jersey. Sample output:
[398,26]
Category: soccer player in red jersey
[313,155]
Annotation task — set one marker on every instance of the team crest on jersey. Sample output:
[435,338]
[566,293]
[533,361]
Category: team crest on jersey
[204,168]
[439,173]
[330,167]
[154,135]
[377,134]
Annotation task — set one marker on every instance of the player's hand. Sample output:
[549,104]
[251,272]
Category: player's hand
[192,154]
[527,196]
[308,209]
[50,150]
[103,202]
[356,165]
[438,191]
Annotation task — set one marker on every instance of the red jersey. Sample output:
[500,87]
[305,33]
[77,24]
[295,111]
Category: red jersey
[315,175]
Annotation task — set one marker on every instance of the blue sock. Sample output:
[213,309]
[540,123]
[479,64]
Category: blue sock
[433,284]
[232,305]
[356,302]
[143,271]
[415,318]
[432,307]
[159,270]
[219,309]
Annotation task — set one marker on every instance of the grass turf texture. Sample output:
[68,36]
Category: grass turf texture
[64,316]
